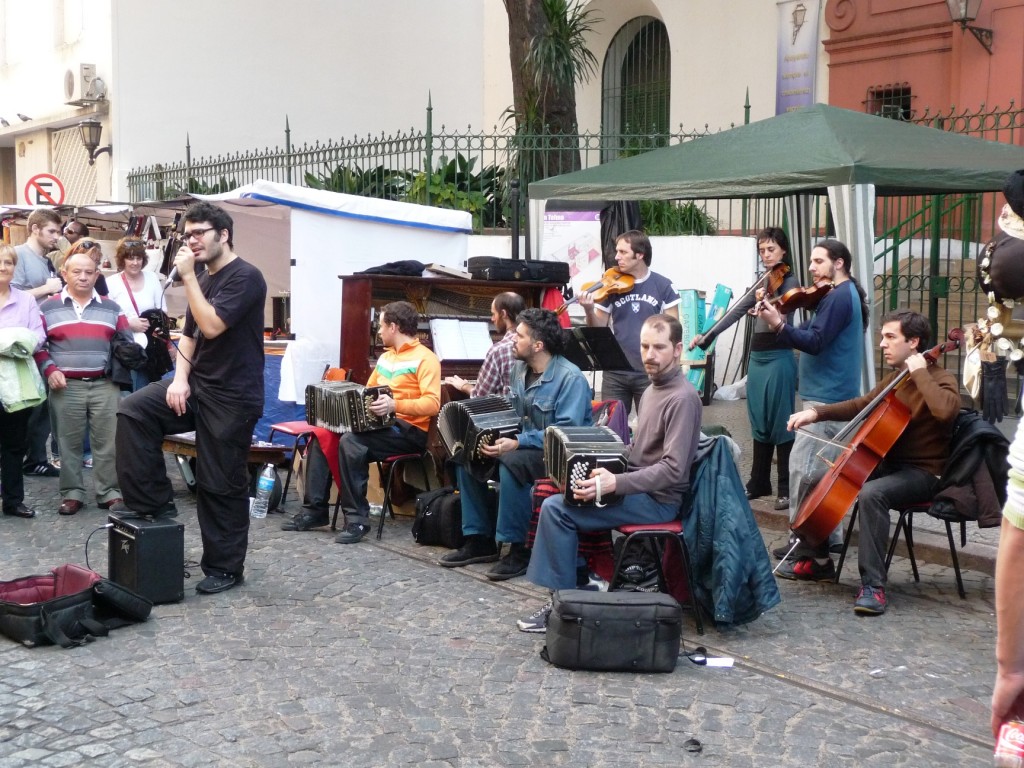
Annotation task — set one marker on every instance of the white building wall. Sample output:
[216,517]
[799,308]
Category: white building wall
[225,73]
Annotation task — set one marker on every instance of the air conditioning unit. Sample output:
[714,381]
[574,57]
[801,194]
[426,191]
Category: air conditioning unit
[83,88]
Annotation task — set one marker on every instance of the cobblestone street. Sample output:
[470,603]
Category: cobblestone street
[371,655]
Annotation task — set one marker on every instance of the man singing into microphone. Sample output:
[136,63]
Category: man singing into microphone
[217,391]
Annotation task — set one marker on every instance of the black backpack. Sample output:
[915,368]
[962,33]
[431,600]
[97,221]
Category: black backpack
[439,518]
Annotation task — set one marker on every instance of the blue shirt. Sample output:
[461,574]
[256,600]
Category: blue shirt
[647,298]
[560,397]
[830,366]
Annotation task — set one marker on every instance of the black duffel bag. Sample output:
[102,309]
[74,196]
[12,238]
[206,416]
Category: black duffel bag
[439,518]
[613,631]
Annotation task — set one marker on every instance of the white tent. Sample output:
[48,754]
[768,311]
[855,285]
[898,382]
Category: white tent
[304,239]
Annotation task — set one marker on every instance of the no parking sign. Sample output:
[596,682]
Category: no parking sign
[44,189]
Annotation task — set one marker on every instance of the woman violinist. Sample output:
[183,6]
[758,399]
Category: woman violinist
[927,403]
[771,374]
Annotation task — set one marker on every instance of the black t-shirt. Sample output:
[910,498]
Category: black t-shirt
[231,365]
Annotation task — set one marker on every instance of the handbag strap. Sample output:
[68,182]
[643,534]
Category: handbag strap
[131,294]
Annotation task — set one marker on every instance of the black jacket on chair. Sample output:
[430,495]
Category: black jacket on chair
[973,485]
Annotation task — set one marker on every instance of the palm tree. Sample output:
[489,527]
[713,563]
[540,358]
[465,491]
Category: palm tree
[549,56]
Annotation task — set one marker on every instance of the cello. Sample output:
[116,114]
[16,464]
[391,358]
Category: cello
[878,426]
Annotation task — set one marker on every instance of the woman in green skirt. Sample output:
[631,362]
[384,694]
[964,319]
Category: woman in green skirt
[771,375]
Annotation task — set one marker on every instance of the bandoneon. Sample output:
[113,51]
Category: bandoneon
[343,406]
[572,453]
[466,426]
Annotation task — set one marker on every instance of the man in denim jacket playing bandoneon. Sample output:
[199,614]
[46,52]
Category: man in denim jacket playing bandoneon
[546,389]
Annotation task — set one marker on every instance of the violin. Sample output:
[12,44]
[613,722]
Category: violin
[799,298]
[771,279]
[879,425]
[611,282]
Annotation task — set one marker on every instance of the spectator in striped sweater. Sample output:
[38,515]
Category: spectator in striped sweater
[79,326]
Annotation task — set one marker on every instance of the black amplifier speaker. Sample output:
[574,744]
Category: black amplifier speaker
[148,556]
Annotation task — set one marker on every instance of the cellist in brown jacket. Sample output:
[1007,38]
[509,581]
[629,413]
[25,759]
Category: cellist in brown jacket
[909,472]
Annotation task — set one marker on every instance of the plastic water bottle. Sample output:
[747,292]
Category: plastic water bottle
[264,487]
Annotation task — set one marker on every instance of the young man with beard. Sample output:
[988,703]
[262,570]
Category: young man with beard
[831,352]
[546,390]
[658,471]
[909,473]
[217,391]
[650,295]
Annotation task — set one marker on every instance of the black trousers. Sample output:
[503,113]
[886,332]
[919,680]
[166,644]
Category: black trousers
[223,437]
[355,452]
[13,439]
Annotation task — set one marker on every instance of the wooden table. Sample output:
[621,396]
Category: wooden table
[183,447]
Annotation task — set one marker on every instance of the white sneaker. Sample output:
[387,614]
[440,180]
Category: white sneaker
[537,622]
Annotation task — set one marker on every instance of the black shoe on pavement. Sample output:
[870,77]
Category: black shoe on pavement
[43,469]
[511,565]
[353,533]
[476,549]
[19,510]
[306,521]
[781,552]
[782,503]
[213,584]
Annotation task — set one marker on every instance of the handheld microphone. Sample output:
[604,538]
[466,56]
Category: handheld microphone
[172,276]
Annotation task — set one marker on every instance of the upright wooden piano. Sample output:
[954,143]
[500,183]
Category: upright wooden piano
[363,296]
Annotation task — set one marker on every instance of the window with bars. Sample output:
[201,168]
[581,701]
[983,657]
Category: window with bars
[636,86]
[892,101]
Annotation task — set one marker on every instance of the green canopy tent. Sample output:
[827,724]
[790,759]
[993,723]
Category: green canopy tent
[850,156]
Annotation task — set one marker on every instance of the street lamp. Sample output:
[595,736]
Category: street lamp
[799,14]
[963,12]
[91,131]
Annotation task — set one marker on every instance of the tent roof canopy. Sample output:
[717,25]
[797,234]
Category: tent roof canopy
[804,151]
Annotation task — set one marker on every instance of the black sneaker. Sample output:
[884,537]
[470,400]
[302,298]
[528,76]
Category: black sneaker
[43,469]
[306,521]
[353,533]
[537,622]
[213,584]
[476,549]
[781,552]
[512,565]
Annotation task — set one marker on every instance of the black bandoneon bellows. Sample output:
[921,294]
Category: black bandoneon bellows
[343,406]
[465,426]
[572,453]
[148,557]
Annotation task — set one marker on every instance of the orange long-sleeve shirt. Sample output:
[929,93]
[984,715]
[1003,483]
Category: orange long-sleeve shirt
[414,374]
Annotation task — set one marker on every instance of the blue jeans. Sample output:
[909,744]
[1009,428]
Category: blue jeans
[553,560]
[512,518]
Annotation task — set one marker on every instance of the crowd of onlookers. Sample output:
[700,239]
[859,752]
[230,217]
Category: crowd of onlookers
[71,342]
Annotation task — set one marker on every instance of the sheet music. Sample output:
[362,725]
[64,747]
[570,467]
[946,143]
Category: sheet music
[456,339]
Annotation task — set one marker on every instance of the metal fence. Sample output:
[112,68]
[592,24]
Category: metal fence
[925,247]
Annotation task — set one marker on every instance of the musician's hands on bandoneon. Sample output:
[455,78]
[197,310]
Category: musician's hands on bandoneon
[382,406]
[501,446]
[586,490]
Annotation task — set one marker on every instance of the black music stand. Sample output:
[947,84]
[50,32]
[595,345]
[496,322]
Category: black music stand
[595,349]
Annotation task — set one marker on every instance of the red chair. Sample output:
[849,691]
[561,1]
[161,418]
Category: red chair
[301,430]
[661,534]
[386,469]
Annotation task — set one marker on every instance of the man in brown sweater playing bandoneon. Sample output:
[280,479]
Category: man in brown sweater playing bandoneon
[657,480]
[909,473]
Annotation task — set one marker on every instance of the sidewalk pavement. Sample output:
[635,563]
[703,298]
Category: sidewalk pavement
[372,655]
